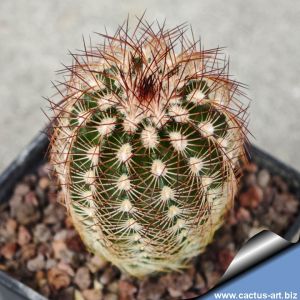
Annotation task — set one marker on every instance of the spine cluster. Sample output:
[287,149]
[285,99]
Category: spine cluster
[146,142]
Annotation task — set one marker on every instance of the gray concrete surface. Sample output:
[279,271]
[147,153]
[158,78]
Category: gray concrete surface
[262,39]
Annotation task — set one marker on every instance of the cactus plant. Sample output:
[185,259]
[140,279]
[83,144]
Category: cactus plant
[146,143]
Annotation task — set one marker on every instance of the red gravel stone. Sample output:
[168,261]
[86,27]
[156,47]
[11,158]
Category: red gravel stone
[83,278]
[251,168]
[96,263]
[28,251]
[44,183]
[36,264]
[27,214]
[263,178]
[24,236]
[58,278]
[243,214]
[225,258]
[199,282]
[108,275]
[150,290]
[75,243]
[11,226]
[126,290]
[252,197]
[8,250]
[92,294]
[21,189]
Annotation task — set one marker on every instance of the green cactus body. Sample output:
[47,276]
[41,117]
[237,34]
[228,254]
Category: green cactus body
[146,144]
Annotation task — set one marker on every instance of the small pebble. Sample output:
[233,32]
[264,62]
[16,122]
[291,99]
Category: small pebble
[41,233]
[107,276]
[50,263]
[97,285]
[24,236]
[31,198]
[78,295]
[200,282]
[27,214]
[150,290]
[243,214]
[74,243]
[225,258]
[11,226]
[21,189]
[30,180]
[8,250]
[269,194]
[45,291]
[83,278]
[263,178]
[285,204]
[113,287]
[179,283]
[96,263]
[54,213]
[41,279]
[242,233]
[61,235]
[111,296]
[250,179]
[291,205]
[126,290]
[212,278]
[61,252]
[44,183]
[251,168]
[92,294]
[67,268]
[28,251]
[44,170]
[252,197]
[36,264]
[66,294]
[58,279]
[223,240]
[44,248]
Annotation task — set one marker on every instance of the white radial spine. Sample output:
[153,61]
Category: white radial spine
[158,168]
[149,137]
[106,126]
[178,141]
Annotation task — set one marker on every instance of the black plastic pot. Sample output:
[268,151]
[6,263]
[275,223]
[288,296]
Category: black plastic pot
[34,154]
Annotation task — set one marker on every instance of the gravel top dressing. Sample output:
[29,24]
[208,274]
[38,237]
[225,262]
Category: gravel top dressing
[40,248]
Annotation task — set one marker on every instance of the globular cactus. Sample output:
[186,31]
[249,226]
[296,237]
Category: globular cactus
[146,143]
